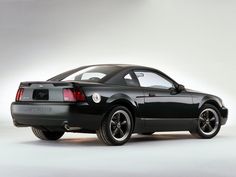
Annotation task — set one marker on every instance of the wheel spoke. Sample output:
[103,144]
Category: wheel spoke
[207,114]
[210,127]
[212,119]
[202,119]
[113,122]
[118,117]
[124,122]
[204,127]
[121,132]
[115,131]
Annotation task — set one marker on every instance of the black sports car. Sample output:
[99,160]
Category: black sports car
[115,101]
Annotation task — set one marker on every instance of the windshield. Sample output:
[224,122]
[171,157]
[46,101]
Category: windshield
[92,73]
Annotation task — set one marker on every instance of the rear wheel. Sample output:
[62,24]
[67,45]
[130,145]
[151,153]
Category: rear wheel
[47,135]
[208,124]
[117,127]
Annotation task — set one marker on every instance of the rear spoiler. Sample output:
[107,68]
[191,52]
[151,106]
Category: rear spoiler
[54,83]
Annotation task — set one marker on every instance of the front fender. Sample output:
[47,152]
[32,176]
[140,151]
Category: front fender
[211,100]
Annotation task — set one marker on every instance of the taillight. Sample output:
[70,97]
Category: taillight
[79,95]
[73,95]
[19,94]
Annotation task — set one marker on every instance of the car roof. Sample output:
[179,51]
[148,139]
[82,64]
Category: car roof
[128,67]
[124,66]
[114,77]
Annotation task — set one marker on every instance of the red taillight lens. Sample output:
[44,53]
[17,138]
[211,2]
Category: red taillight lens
[19,94]
[73,95]
[69,95]
[79,95]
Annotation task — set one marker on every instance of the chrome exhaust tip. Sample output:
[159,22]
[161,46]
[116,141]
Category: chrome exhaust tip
[68,128]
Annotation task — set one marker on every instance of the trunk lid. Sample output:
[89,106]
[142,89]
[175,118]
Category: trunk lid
[45,91]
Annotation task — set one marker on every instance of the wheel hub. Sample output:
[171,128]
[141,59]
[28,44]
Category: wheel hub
[118,125]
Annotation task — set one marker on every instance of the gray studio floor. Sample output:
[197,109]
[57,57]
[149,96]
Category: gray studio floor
[163,154]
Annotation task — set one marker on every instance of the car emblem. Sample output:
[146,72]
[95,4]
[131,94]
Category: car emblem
[96,97]
[40,86]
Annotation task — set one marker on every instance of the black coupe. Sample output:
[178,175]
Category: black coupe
[115,101]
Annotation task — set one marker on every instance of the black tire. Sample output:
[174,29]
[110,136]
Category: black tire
[117,126]
[47,135]
[209,122]
[148,133]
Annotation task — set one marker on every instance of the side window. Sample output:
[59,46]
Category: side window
[130,81]
[153,80]
[89,76]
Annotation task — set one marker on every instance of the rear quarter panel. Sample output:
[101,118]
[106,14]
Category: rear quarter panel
[112,95]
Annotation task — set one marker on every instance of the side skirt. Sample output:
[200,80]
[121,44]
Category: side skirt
[167,124]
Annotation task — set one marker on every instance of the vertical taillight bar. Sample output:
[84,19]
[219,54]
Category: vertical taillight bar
[19,94]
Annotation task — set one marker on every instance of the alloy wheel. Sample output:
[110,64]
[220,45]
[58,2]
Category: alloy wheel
[208,121]
[120,125]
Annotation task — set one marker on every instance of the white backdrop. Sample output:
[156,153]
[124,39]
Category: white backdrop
[192,41]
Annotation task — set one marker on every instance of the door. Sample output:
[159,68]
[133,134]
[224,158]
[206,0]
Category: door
[165,108]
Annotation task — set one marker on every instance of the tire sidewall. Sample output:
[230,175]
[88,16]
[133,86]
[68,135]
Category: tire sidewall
[47,135]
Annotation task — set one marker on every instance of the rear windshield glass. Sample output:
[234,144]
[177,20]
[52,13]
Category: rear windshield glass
[92,73]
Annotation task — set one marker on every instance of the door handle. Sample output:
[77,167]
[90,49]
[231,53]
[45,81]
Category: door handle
[152,94]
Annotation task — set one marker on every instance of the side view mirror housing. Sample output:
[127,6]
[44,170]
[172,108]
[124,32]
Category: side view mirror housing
[180,88]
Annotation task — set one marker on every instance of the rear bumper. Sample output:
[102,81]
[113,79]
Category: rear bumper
[224,115]
[55,115]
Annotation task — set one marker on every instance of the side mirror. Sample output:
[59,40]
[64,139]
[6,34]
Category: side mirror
[180,88]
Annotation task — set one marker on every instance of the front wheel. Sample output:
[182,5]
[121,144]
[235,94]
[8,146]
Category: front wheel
[47,135]
[208,124]
[117,127]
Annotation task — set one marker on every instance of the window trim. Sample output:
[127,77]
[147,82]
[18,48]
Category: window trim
[133,76]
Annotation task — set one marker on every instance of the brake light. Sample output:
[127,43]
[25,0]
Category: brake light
[79,95]
[73,95]
[68,95]
[19,94]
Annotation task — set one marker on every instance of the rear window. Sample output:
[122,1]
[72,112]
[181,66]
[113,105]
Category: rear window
[92,73]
